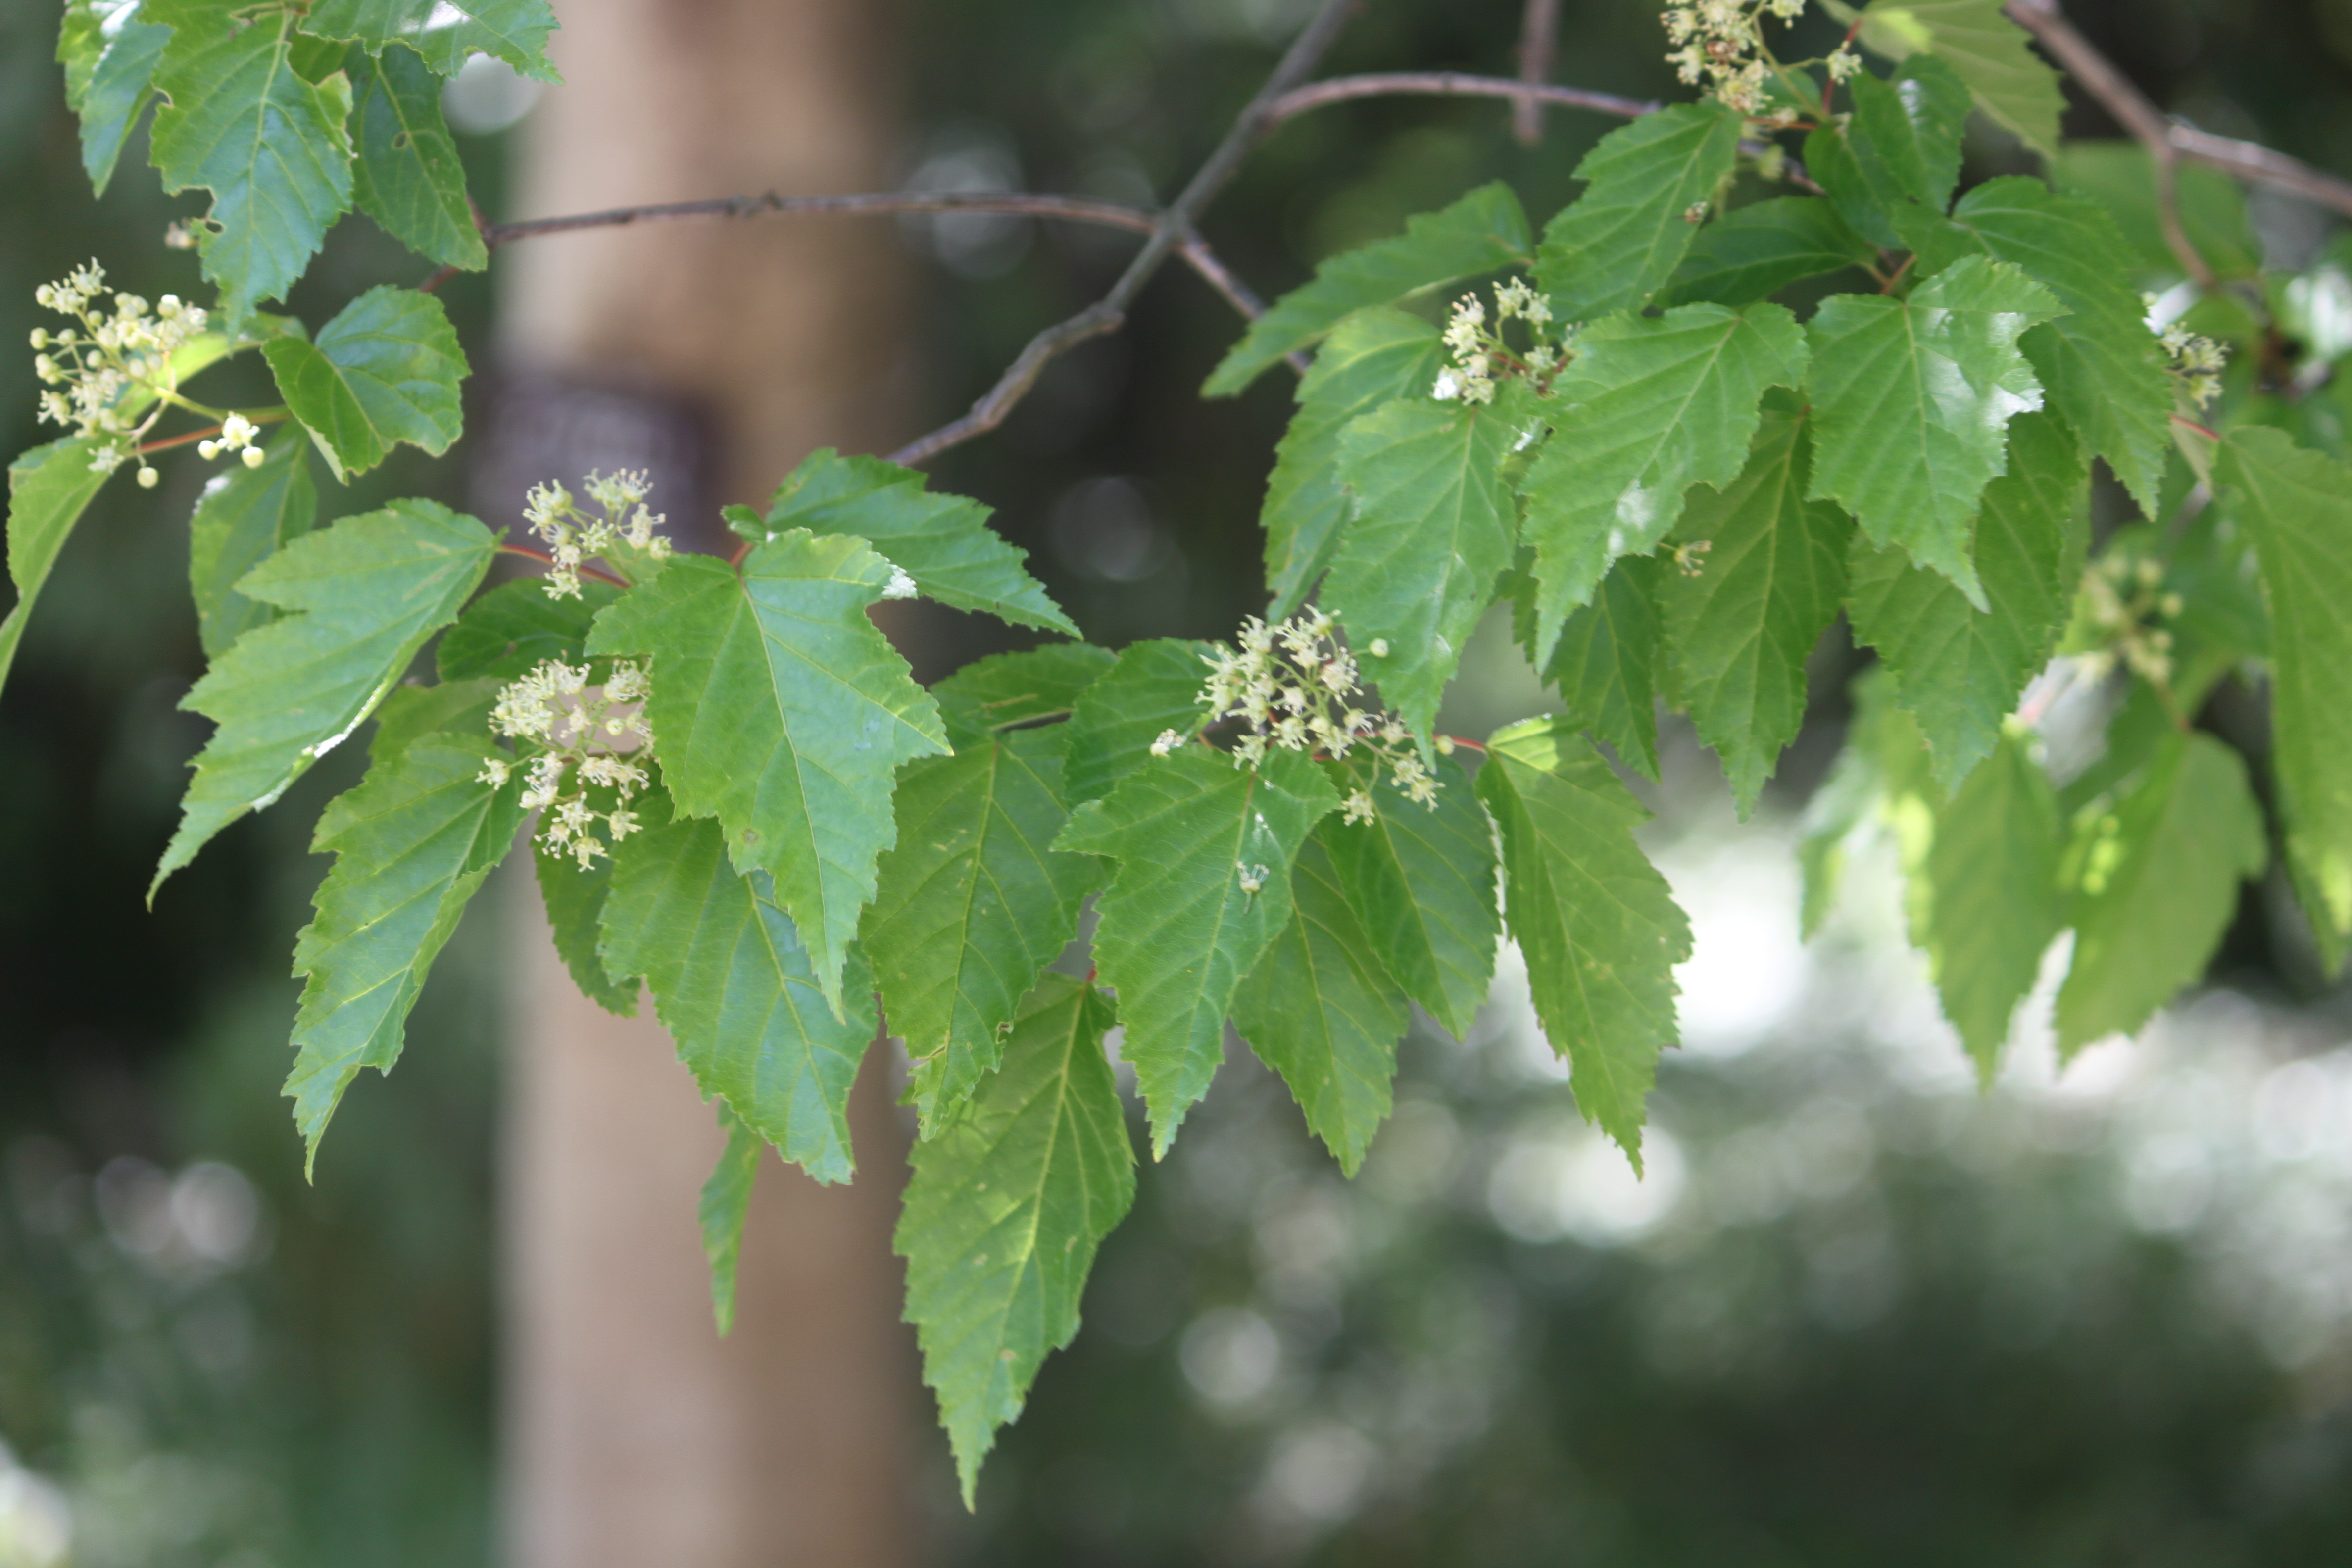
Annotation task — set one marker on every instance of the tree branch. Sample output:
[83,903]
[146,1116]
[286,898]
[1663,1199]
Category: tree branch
[2167,138]
[1539,31]
[1388,84]
[1167,234]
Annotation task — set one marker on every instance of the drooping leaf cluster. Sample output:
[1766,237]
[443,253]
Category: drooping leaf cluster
[1674,481]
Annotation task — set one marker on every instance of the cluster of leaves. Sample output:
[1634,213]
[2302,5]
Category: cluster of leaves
[1695,487]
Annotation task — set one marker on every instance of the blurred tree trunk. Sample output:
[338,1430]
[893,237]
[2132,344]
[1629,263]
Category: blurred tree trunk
[715,353]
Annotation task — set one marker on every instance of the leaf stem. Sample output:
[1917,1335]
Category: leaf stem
[586,568]
[257,416]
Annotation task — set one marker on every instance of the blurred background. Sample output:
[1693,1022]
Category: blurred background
[1858,1313]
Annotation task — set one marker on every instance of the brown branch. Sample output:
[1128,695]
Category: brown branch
[1539,31]
[1169,234]
[1389,84]
[585,569]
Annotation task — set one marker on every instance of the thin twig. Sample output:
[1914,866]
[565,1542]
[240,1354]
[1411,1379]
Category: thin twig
[2165,138]
[1389,84]
[585,569]
[1169,234]
[1539,31]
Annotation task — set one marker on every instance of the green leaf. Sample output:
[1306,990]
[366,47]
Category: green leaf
[2120,176]
[2298,506]
[970,906]
[1600,930]
[245,517]
[1906,139]
[49,490]
[444,32]
[942,541]
[1432,530]
[1618,243]
[2100,362]
[409,713]
[384,371]
[1606,661]
[1320,1011]
[109,54]
[1177,932]
[1911,400]
[1481,233]
[1757,251]
[367,592]
[784,713]
[411,844]
[1004,1210]
[1650,406]
[734,986]
[1742,620]
[1006,689]
[1986,49]
[1992,901]
[408,177]
[515,628]
[1372,357]
[1959,669]
[1421,882]
[271,147]
[725,1201]
[2153,883]
[575,899]
[1154,686]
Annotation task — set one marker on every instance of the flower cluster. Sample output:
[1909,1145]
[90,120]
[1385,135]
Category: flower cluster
[2124,598]
[1480,355]
[1293,686]
[91,365]
[579,730]
[1721,43]
[238,435]
[573,536]
[2196,360]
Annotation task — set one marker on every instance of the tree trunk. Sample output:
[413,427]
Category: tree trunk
[717,355]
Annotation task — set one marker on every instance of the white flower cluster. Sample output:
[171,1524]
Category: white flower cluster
[1481,355]
[1293,685]
[2123,599]
[238,435]
[90,365]
[1721,44]
[573,536]
[578,728]
[2198,362]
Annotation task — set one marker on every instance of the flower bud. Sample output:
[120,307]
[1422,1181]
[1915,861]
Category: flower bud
[147,477]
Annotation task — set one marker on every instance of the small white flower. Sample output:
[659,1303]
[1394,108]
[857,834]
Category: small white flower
[1252,878]
[495,773]
[1168,742]
[1447,387]
[900,585]
[1379,648]
[1357,807]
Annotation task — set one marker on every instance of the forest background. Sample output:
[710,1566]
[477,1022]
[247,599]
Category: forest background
[1857,1308]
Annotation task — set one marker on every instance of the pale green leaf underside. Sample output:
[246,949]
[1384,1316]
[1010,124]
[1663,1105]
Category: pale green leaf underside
[1650,406]
[1421,883]
[1911,399]
[942,541]
[1432,532]
[1320,1010]
[1371,358]
[1742,621]
[1481,232]
[444,32]
[1992,899]
[733,985]
[970,905]
[408,176]
[1959,670]
[109,54]
[1151,689]
[781,711]
[271,147]
[384,371]
[1004,1211]
[1177,932]
[362,597]
[411,844]
[1594,918]
[245,515]
[2154,884]
[1986,49]
[725,1204]
[1619,243]
[49,490]
[2298,506]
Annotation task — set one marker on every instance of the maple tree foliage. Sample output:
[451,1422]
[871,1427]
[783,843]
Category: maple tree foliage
[1625,427]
